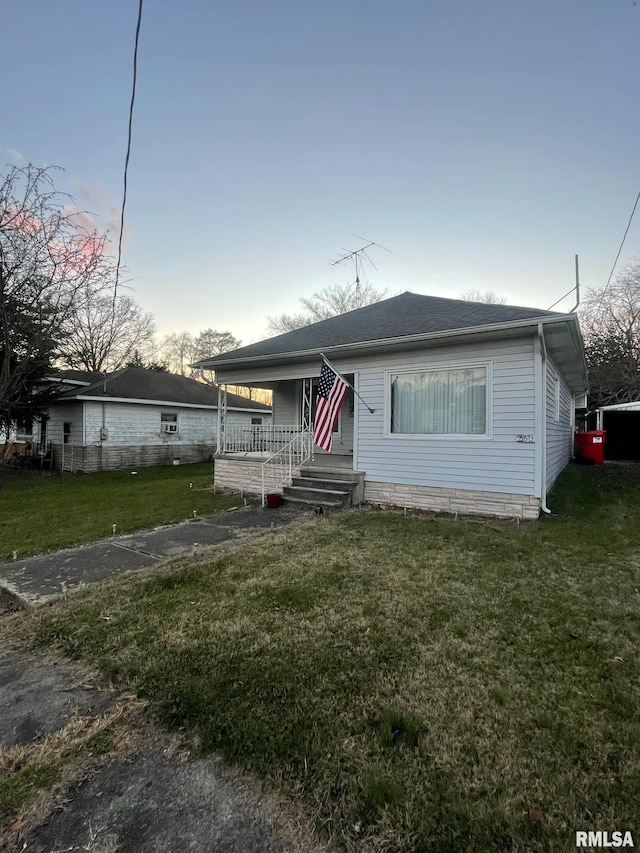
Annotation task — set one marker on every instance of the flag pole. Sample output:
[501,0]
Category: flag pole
[347,382]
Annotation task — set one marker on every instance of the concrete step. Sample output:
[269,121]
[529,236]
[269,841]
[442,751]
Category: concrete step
[287,500]
[343,474]
[322,483]
[318,497]
[340,478]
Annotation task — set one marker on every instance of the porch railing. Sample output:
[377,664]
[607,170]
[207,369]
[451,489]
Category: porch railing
[254,438]
[279,468]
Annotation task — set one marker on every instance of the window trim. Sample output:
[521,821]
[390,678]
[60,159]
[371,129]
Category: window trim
[445,436]
[164,424]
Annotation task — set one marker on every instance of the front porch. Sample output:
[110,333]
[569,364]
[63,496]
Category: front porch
[257,460]
[327,481]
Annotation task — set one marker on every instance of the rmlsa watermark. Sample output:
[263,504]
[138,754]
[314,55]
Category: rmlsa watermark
[604,839]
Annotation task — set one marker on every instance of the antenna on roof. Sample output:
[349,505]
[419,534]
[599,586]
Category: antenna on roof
[576,287]
[357,257]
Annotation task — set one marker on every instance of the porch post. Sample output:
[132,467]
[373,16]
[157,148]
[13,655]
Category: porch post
[222,417]
[306,405]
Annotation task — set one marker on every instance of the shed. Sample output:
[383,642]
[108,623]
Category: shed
[621,422]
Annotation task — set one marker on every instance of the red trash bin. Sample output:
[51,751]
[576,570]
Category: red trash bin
[591,445]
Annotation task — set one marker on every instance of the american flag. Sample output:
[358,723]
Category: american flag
[331,390]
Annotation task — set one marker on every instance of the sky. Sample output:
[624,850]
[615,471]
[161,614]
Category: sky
[484,144]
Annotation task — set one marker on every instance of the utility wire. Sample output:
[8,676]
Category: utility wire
[623,239]
[126,160]
[615,263]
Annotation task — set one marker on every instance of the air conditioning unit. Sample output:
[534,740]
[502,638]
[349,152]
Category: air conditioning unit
[170,427]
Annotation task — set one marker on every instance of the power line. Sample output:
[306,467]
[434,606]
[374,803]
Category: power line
[623,239]
[126,159]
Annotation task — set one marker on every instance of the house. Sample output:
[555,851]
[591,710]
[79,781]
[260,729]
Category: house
[137,417]
[460,406]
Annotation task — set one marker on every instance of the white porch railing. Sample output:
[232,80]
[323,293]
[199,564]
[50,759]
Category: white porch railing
[265,439]
[278,469]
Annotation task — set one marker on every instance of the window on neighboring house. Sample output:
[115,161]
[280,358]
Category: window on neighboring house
[66,432]
[451,401]
[256,421]
[24,428]
[168,422]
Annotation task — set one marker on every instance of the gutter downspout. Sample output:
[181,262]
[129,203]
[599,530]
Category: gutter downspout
[542,418]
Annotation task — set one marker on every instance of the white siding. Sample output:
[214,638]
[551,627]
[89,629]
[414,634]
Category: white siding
[498,463]
[66,413]
[286,403]
[559,443]
[133,434]
[287,398]
[67,456]
[134,424]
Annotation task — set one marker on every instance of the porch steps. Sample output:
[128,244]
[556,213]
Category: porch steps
[329,488]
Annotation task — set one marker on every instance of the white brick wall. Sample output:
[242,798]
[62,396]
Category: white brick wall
[238,474]
[466,501]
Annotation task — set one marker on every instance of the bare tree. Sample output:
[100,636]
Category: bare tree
[486,296]
[610,321]
[211,342]
[103,334]
[51,262]
[180,349]
[326,303]
[178,352]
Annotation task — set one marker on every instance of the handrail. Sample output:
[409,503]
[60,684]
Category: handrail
[257,438]
[291,459]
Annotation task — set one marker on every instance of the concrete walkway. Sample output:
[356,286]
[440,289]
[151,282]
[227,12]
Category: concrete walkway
[37,580]
[156,795]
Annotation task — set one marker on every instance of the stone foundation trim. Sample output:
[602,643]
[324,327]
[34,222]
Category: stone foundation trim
[463,501]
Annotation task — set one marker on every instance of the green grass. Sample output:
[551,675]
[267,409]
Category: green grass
[19,787]
[42,512]
[414,684]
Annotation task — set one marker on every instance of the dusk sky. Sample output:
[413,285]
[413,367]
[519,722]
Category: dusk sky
[483,143]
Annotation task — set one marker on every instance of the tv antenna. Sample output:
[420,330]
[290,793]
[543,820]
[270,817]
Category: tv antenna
[358,257]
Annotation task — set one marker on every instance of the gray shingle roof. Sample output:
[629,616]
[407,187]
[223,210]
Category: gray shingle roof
[400,316]
[76,376]
[136,383]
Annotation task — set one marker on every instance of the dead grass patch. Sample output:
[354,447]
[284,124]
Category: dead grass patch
[35,778]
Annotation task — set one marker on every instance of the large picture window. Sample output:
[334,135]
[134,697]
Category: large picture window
[440,402]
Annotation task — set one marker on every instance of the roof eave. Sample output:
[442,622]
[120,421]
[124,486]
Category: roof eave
[383,343]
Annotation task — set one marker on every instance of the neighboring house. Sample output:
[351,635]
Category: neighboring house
[621,422]
[137,417]
[473,404]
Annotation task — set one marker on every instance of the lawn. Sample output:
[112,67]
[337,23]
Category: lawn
[46,511]
[411,683]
